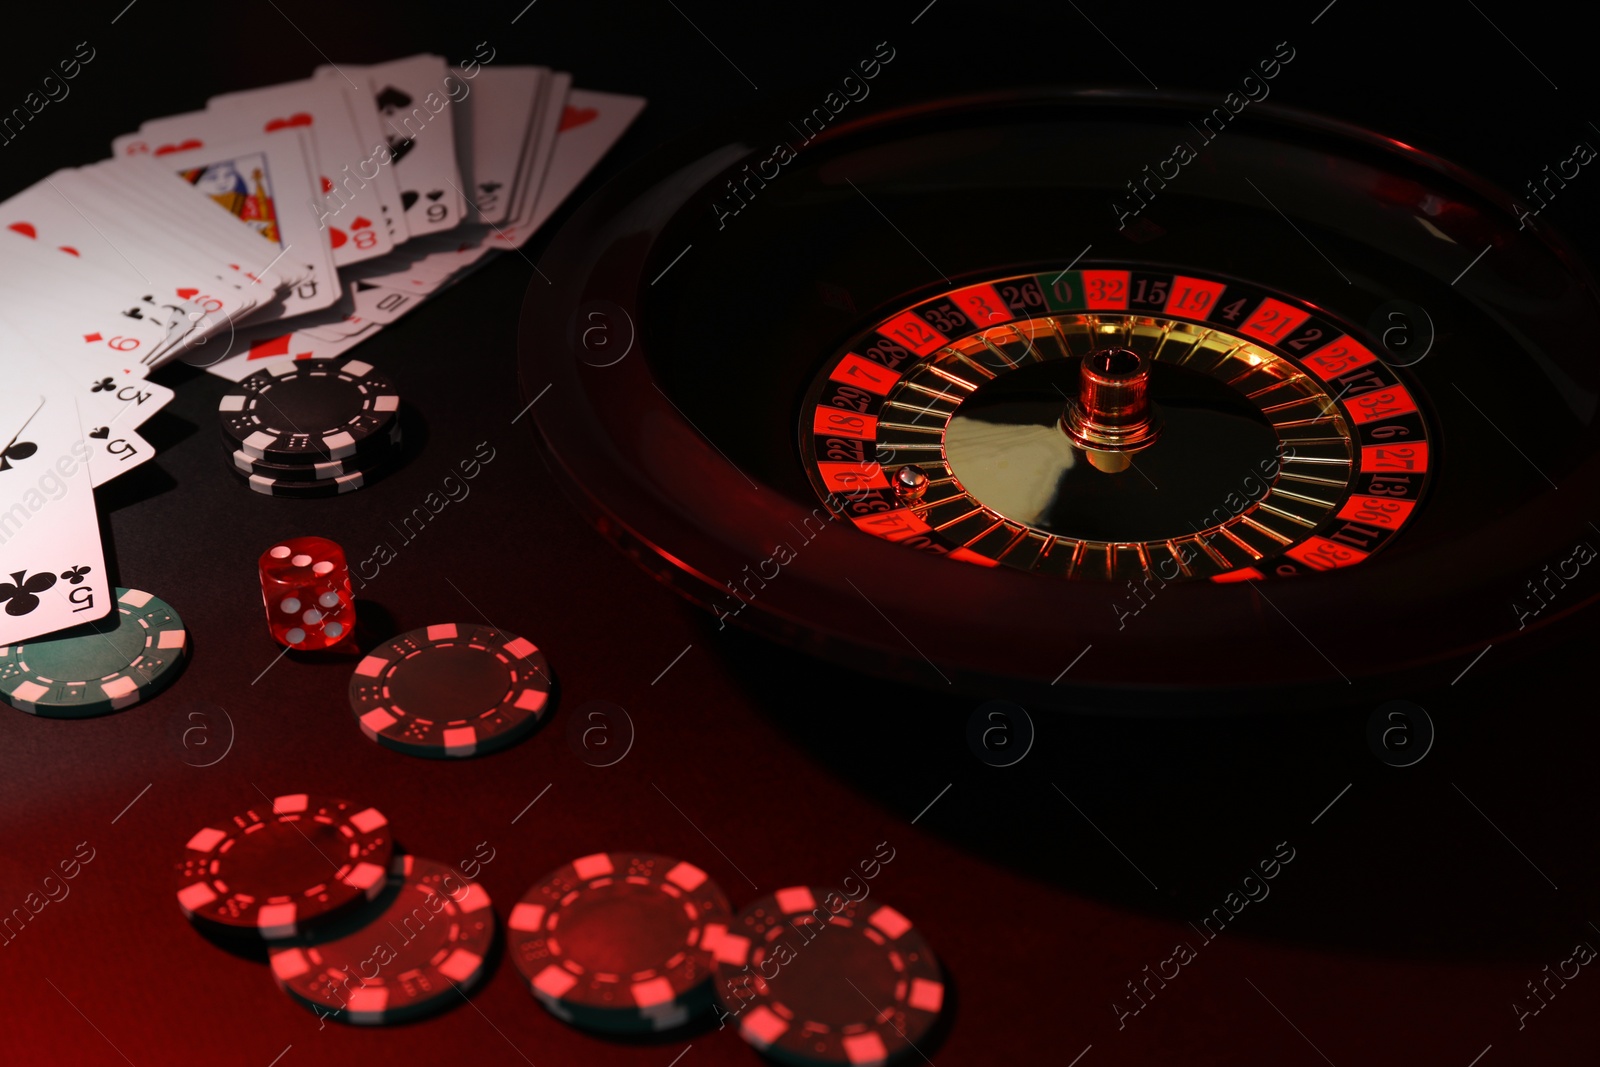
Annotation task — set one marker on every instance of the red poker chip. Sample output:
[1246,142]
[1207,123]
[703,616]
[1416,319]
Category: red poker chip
[811,976]
[279,869]
[421,955]
[620,941]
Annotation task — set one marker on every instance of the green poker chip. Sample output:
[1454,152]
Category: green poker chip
[99,667]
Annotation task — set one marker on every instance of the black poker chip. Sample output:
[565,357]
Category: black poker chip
[309,412]
[451,690]
[315,469]
[621,942]
[284,866]
[425,951]
[813,976]
[325,487]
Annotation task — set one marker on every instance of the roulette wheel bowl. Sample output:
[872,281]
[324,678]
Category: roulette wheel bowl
[698,297]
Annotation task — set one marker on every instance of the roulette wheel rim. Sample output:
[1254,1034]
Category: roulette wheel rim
[642,470]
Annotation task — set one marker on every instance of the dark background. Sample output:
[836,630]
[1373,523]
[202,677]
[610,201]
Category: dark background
[1416,907]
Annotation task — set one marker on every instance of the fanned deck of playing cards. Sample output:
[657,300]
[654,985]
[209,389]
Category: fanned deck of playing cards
[292,221]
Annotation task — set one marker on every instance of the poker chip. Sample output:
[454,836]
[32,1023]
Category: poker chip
[281,868]
[813,977]
[243,463]
[310,411]
[98,667]
[426,948]
[451,690]
[344,483]
[372,449]
[620,942]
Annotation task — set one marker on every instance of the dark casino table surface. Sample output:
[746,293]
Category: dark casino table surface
[1374,914]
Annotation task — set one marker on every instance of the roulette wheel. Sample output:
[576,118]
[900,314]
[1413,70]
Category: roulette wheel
[1052,392]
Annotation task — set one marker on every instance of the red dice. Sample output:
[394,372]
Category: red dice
[305,585]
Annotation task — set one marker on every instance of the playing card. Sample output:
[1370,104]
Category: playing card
[437,261]
[568,141]
[253,350]
[109,407]
[415,101]
[492,130]
[52,566]
[118,403]
[264,181]
[590,124]
[153,193]
[176,286]
[425,263]
[102,215]
[381,305]
[245,180]
[374,150]
[336,322]
[536,159]
[113,451]
[535,162]
[86,318]
[366,306]
[66,308]
[579,129]
[353,211]
[511,141]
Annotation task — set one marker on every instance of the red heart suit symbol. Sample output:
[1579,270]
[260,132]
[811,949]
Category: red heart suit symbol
[360,224]
[182,146]
[577,116]
[336,237]
[299,118]
[187,294]
[24,228]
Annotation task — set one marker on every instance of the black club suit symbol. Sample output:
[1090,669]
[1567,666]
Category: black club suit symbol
[104,385]
[22,592]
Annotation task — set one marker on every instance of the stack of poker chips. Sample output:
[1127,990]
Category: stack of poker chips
[311,429]
[251,882]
